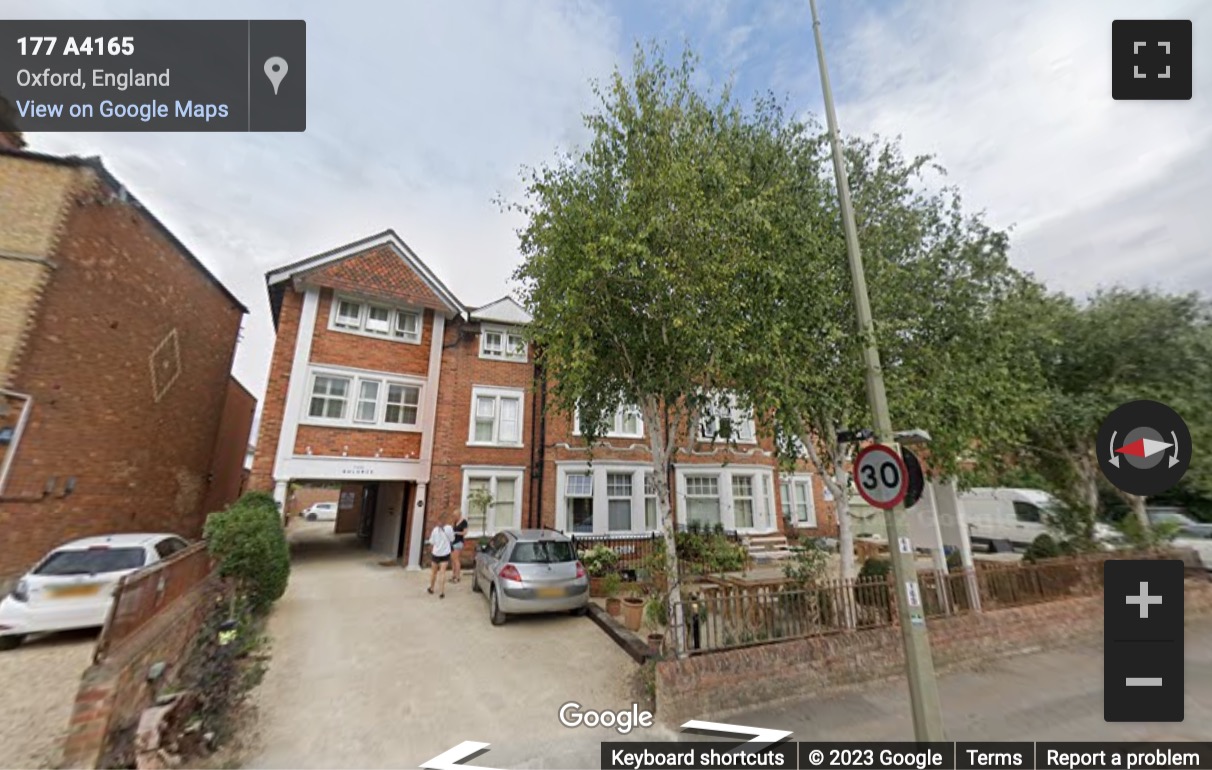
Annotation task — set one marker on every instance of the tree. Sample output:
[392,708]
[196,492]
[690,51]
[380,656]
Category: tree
[642,255]
[945,302]
[1122,345]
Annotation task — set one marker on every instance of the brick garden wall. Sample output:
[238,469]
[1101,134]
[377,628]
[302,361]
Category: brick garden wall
[138,446]
[711,685]
[114,693]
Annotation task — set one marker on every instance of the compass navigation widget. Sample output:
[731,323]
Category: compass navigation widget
[1144,448]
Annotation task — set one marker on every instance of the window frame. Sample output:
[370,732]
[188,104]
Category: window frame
[394,313]
[735,416]
[497,394]
[797,483]
[616,428]
[765,520]
[493,474]
[355,378]
[508,352]
[600,497]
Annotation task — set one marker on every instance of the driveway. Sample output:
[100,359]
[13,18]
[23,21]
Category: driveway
[368,670]
[40,679]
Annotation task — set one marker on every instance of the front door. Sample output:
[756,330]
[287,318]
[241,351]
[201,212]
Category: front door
[370,500]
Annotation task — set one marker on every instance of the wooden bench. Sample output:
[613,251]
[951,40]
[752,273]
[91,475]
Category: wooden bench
[767,547]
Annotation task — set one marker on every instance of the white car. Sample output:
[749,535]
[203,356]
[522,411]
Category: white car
[321,512]
[73,586]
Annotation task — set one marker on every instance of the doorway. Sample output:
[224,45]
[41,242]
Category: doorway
[370,501]
[405,519]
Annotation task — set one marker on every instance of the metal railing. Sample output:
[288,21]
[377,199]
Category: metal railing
[142,595]
[724,613]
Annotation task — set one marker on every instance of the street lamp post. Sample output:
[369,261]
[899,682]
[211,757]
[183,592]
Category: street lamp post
[923,686]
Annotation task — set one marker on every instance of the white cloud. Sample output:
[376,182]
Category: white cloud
[418,115]
[1014,99]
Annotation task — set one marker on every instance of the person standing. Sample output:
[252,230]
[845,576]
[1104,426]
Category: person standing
[441,543]
[456,558]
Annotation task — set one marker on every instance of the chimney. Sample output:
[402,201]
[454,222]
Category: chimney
[11,137]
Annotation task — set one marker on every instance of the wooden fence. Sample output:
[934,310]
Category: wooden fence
[142,595]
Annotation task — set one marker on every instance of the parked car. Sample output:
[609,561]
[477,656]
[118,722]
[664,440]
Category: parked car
[73,586]
[525,571]
[1187,526]
[321,512]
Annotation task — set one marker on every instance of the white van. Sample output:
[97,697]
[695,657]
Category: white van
[1013,515]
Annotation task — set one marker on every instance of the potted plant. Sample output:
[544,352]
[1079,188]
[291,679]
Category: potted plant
[633,612]
[656,619]
[599,562]
[610,587]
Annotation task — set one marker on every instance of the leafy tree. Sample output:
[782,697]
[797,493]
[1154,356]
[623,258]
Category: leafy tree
[1121,346]
[644,255]
[945,302]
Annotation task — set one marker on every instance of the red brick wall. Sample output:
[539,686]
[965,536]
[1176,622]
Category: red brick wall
[711,685]
[276,387]
[139,464]
[305,497]
[231,446]
[113,694]
[462,368]
[363,352]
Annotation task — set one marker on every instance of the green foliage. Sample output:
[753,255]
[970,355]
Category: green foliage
[876,567]
[249,544]
[1042,547]
[600,561]
[954,560]
[1141,536]
[807,564]
[700,551]
[611,583]
[656,613]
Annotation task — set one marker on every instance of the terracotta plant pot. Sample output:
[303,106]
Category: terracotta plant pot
[633,612]
[614,605]
[595,587]
[657,643]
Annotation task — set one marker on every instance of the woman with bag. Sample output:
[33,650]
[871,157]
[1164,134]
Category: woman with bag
[441,542]
[460,531]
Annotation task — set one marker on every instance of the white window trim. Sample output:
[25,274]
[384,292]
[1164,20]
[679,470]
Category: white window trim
[507,354]
[746,419]
[792,479]
[495,473]
[476,392]
[391,336]
[356,377]
[601,497]
[615,430]
[761,492]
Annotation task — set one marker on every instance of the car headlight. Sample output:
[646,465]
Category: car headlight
[21,592]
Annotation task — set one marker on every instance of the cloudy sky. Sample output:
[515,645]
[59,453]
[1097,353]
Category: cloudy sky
[420,115]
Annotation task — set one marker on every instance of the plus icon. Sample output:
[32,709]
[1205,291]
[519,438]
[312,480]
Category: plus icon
[1151,59]
[1144,600]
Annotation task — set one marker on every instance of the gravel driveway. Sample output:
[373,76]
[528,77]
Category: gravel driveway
[40,681]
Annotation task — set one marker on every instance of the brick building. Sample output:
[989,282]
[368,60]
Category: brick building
[116,349]
[383,380]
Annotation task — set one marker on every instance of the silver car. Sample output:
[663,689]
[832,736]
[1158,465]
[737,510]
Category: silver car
[526,571]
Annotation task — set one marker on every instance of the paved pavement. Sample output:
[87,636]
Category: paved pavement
[370,671]
[38,684]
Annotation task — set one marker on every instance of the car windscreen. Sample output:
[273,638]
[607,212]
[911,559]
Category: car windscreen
[542,552]
[92,561]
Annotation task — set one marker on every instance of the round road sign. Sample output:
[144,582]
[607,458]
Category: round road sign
[881,476]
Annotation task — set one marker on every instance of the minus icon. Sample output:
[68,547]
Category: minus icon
[1144,681]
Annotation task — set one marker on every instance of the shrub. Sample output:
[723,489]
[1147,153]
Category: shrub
[1042,547]
[611,584]
[599,561]
[876,567]
[250,546]
[807,563]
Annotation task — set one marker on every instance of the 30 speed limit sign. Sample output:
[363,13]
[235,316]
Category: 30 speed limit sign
[881,476]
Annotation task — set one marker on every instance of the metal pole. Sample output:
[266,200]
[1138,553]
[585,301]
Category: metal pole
[923,686]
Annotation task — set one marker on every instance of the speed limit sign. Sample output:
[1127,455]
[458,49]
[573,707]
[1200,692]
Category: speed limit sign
[881,476]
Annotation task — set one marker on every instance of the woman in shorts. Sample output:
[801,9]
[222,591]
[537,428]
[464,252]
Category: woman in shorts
[441,543]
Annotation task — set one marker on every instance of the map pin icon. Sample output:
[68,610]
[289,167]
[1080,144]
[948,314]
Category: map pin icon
[275,70]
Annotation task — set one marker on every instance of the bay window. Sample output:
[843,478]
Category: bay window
[703,500]
[734,497]
[578,495]
[618,500]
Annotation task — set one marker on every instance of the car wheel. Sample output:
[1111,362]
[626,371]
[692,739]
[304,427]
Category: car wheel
[11,642]
[475,581]
[494,609]
[311,517]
